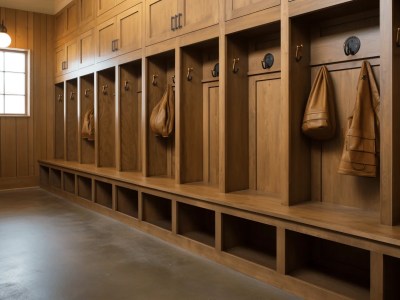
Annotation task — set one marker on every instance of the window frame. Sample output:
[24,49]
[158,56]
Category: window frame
[27,83]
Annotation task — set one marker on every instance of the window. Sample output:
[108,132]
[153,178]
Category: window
[14,79]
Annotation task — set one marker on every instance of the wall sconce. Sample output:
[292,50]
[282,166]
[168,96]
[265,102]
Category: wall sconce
[5,39]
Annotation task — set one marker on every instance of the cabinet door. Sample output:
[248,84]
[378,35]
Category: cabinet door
[159,15]
[72,16]
[104,5]
[86,49]
[105,35]
[238,8]
[129,30]
[197,14]
[61,24]
[86,11]
[71,54]
[60,58]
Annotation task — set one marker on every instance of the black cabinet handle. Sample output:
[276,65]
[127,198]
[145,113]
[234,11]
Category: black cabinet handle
[179,20]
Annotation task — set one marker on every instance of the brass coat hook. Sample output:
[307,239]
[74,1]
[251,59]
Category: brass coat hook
[86,92]
[234,68]
[154,81]
[173,79]
[126,85]
[71,96]
[189,75]
[105,89]
[299,52]
[398,37]
[59,98]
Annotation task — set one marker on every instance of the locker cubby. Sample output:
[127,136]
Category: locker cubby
[391,275]
[196,223]
[106,118]
[340,268]
[59,121]
[318,38]
[160,151]
[249,240]
[69,182]
[103,194]
[87,102]
[127,201]
[199,114]
[55,178]
[72,120]
[254,112]
[44,175]
[130,115]
[157,211]
[84,187]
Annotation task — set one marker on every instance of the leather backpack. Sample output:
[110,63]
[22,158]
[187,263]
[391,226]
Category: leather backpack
[162,117]
[88,125]
[319,121]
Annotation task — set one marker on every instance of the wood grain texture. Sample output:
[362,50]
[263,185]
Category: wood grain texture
[72,120]
[87,102]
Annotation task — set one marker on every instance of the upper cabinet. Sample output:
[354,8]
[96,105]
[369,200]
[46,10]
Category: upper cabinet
[120,34]
[104,5]
[66,20]
[166,19]
[86,11]
[66,58]
[239,8]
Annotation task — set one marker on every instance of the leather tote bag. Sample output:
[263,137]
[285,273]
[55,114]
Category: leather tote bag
[88,125]
[319,120]
[162,118]
[361,148]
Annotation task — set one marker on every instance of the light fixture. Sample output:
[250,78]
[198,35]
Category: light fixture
[5,39]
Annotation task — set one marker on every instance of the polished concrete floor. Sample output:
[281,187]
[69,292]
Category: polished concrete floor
[52,249]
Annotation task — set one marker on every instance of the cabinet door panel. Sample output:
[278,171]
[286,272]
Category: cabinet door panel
[104,5]
[71,53]
[197,14]
[105,34]
[86,49]
[129,29]
[60,58]
[158,20]
[238,8]
[61,24]
[86,11]
[72,16]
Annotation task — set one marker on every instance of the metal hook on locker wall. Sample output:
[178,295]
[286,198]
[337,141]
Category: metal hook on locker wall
[189,75]
[173,79]
[105,89]
[86,92]
[59,98]
[126,85]
[154,81]
[234,68]
[71,96]
[299,52]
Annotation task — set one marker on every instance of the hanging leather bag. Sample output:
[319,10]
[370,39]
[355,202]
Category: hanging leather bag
[88,125]
[319,120]
[162,117]
[361,147]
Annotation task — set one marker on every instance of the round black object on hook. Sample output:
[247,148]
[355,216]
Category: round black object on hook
[268,61]
[351,45]
[215,71]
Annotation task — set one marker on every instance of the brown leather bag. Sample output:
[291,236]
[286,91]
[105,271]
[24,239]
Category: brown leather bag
[319,120]
[361,147]
[88,125]
[163,115]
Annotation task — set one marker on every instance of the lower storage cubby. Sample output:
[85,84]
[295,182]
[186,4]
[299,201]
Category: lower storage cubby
[391,275]
[55,178]
[196,223]
[343,269]
[127,201]
[157,211]
[69,182]
[104,194]
[250,240]
[85,188]
[44,175]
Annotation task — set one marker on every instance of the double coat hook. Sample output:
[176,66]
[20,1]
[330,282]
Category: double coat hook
[299,52]
[234,68]
[154,81]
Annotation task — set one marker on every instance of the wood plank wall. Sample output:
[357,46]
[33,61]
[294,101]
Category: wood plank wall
[24,140]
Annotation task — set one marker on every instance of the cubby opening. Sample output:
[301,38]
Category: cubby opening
[55,178]
[85,187]
[250,240]
[157,211]
[72,120]
[69,182]
[254,112]
[106,118]
[196,223]
[319,38]
[391,275]
[130,115]
[87,103]
[44,175]
[199,114]
[160,151]
[104,194]
[333,266]
[127,201]
[59,121]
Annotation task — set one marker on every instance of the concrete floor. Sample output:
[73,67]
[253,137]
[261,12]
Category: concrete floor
[52,249]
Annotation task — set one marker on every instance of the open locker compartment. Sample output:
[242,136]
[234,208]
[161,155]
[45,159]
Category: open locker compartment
[87,104]
[59,121]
